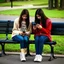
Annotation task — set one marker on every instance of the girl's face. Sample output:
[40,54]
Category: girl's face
[24,17]
[38,16]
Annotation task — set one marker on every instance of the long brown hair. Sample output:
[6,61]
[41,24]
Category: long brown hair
[43,17]
[24,11]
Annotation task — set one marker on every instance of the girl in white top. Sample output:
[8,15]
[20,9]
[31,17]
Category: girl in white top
[21,32]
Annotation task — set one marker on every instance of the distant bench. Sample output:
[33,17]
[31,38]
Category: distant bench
[6,28]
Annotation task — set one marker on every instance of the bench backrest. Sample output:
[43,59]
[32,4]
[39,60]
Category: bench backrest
[3,26]
[6,27]
[57,28]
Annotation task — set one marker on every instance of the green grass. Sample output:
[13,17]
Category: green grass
[49,13]
[58,48]
[20,3]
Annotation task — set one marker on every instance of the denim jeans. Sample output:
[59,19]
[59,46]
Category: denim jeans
[22,39]
[39,42]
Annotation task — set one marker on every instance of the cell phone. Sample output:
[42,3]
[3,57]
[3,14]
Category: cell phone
[34,23]
[23,31]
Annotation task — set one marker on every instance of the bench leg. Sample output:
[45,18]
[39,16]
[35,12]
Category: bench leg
[28,53]
[52,53]
[0,55]
[3,50]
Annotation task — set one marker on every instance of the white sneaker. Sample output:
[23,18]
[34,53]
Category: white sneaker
[38,58]
[22,57]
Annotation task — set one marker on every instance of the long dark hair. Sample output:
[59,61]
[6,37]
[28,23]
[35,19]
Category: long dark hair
[24,11]
[43,17]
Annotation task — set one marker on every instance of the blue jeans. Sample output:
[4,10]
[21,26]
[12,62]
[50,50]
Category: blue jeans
[39,42]
[22,39]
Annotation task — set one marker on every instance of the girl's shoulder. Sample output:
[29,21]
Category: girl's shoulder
[16,20]
[48,20]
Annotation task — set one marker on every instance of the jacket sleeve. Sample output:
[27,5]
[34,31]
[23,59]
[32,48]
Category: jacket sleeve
[15,27]
[48,27]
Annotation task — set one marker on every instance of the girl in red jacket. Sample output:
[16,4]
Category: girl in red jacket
[42,32]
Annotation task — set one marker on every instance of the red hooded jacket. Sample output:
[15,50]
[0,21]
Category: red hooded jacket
[44,31]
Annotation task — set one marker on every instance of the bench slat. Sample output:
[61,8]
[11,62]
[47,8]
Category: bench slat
[30,42]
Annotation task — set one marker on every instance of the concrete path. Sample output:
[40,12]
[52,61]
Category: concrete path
[14,59]
[22,7]
[8,17]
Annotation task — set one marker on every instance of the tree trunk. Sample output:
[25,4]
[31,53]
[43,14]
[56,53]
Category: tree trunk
[62,4]
[56,3]
[50,4]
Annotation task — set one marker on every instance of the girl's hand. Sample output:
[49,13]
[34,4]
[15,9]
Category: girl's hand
[39,26]
[21,33]
[27,33]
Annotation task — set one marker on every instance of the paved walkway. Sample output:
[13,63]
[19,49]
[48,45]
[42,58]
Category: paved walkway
[14,59]
[22,7]
[8,17]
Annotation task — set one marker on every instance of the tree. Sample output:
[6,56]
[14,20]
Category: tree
[56,3]
[52,4]
[62,4]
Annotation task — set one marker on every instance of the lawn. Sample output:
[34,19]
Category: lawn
[21,3]
[59,47]
[49,13]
